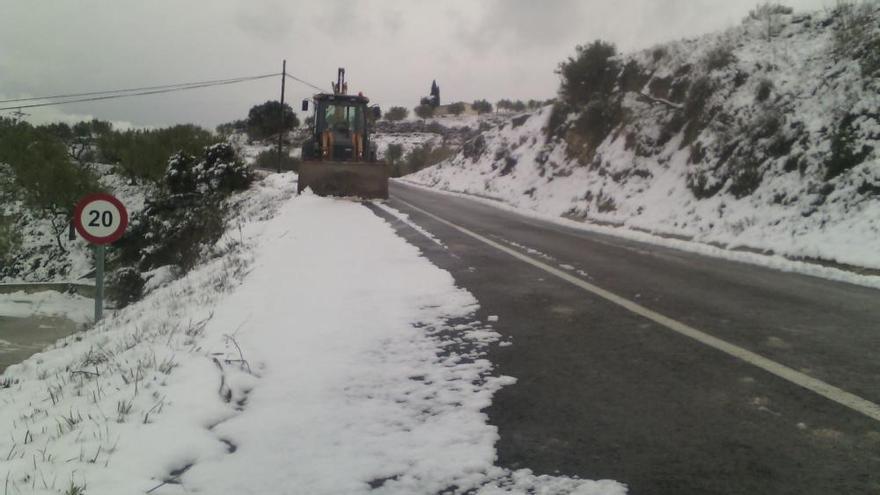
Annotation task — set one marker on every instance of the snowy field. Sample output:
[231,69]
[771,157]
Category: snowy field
[320,353]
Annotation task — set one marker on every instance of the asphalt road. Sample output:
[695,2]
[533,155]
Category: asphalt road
[605,392]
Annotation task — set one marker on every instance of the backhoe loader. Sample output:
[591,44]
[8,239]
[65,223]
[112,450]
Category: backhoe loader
[339,159]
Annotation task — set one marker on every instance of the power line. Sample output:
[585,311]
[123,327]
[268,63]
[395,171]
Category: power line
[142,93]
[128,90]
[305,82]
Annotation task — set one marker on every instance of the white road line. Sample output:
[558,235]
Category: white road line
[826,390]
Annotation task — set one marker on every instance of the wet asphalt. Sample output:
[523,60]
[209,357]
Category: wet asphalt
[603,393]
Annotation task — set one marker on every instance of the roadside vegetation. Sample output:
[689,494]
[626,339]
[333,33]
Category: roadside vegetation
[182,174]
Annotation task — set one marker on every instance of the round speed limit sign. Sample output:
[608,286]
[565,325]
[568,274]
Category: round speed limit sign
[100,218]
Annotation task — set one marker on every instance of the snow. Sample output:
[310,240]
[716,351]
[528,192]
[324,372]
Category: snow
[320,353]
[403,217]
[74,307]
[775,262]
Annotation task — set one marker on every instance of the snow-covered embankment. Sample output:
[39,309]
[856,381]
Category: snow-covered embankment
[320,354]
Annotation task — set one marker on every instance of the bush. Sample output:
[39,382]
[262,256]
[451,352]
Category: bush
[844,156]
[745,179]
[591,73]
[719,57]
[127,286]
[9,240]
[268,160]
[395,114]
[221,171]
[422,157]
[698,96]
[633,78]
[763,90]
[481,106]
[393,154]
[768,13]
[456,108]
[229,128]
[855,34]
[424,111]
[173,230]
[264,121]
[144,154]
[598,119]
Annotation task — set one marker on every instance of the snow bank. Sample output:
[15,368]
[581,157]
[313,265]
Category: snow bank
[320,354]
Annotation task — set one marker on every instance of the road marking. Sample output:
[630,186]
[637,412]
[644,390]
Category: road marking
[826,390]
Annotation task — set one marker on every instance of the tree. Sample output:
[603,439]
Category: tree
[591,73]
[456,108]
[48,183]
[481,106]
[424,111]
[504,104]
[264,121]
[396,113]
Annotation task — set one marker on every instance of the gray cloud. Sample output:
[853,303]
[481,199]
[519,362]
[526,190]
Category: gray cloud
[392,49]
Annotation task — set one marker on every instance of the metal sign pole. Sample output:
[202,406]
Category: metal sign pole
[99,283]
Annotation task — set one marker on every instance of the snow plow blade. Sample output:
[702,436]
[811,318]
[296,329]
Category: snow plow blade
[367,180]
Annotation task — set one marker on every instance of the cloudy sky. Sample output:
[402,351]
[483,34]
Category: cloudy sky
[392,49]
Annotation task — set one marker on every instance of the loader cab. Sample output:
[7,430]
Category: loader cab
[341,129]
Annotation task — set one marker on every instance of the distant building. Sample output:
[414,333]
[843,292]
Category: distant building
[434,98]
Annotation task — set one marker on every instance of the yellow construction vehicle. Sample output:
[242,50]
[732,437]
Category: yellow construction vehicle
[339,159]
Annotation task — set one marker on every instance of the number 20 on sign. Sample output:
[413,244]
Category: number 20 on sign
[101,219]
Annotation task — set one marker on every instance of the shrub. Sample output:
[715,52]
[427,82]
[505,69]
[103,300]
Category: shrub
[221,171]
[473,149]
[393,153]
[590,73]
[698,96]
[229,128]
[264,120]
[268,160]
[9,239]
[702,185]
[456,108]
[126,286]
[768,13]
[395,114]
[598,119]
[424,111]
[844,156]
[763,90]
[173,230]
[481,106]
[556,122]
[422,157]
[745,178]
[632,78]
[144,154]
[719,57]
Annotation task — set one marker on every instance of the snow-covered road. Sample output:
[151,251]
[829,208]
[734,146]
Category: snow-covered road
[344,362]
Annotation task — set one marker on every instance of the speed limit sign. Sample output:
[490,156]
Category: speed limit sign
[100,218]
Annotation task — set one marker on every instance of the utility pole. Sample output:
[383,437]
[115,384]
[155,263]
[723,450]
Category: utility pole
[281,133]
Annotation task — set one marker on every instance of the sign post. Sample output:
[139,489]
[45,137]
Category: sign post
[101,219]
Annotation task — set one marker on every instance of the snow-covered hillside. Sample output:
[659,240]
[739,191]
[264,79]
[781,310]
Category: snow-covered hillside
[766,136]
